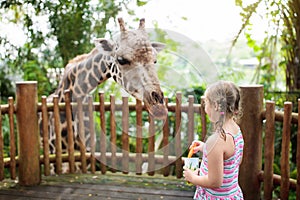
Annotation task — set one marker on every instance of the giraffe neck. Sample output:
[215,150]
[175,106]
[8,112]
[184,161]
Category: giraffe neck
[82,77]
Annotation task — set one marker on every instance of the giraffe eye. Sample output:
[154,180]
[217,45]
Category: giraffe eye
[155,61]
[123,61]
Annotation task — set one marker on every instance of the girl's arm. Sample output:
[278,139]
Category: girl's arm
[214,178]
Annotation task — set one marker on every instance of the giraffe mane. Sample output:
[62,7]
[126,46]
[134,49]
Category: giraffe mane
[82,57]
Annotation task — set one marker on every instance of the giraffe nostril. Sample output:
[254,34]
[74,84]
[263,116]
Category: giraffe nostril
[158,98]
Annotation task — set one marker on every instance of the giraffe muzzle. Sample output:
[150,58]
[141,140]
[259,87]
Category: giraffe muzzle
[157,107]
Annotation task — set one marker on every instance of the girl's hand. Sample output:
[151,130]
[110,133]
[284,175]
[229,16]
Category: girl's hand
[189,174]
[197,146]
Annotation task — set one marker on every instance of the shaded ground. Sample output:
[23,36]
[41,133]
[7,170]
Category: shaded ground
[98,186]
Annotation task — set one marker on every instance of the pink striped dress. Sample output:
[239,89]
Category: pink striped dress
[230,188]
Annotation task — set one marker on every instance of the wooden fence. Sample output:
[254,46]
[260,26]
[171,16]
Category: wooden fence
[25,153]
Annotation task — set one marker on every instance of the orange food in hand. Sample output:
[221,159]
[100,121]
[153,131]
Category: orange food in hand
[191,152]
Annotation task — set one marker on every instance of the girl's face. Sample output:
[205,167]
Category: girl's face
[211,110]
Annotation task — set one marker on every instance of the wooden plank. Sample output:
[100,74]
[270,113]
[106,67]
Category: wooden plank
[279,117]
[203,119]
[28,136]
[70,132]
[125,137]
[12,141]
[89,191]
[45,136]
[81,133]
[190,119]
[131,106]
[159,159]
[1,149]
[139,137]
[93,135]
[298,154]
[251,125]
[57,129]
[113,134]
[277,180]
[151,147]
[166,145]
[285,149]
[178,150]
[99,186]
[269,149]
[102,134]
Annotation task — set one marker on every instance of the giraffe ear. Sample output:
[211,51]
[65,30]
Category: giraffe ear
[158,46]
[104,46]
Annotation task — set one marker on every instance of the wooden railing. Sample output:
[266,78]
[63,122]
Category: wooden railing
[117,160]
[287,118]
[29,163]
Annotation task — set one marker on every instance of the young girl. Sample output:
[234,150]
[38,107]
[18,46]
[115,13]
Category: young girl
[217,177]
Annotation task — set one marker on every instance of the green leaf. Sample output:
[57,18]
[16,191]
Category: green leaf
[141,3]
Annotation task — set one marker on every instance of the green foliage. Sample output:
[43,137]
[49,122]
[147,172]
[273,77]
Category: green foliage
[6,86]
[33,72]
[70,23]
[277,53]
[66,30]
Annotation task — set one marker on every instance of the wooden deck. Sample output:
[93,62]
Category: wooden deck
[99,186]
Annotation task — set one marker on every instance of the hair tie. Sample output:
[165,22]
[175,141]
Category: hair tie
[222,113]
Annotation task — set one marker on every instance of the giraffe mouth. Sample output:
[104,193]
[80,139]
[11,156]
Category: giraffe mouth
[158,111]
[155,105]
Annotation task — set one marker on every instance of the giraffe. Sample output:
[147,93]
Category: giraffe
[130,61]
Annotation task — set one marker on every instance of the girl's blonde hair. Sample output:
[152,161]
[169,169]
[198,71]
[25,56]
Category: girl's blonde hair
[226,96]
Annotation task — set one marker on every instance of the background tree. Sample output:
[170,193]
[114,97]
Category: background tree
[279,52]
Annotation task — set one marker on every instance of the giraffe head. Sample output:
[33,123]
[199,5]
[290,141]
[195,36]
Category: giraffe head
[134,57]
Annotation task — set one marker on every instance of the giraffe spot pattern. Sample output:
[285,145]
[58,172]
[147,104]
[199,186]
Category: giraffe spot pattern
[115,78]
[80,66]
[93,82]
[98,58]
[74,70]
[67,84]
[108,75]
[71,79]
[96,71]
[77,90]
[103,67]
[81,76]
[114,69]
[84,87]
[88,64]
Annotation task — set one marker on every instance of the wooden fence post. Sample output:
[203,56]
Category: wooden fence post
[269,151]
[178,149]
[285,151]
[251,126]
[28,136]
